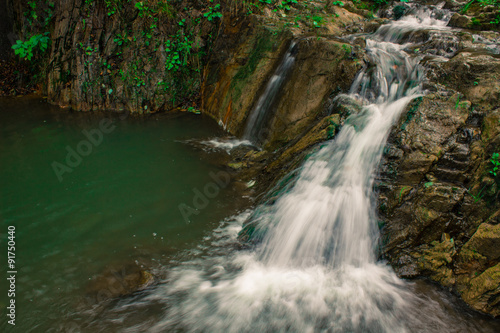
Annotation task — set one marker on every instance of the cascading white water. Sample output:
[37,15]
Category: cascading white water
[328,218]
[260,111]
[316,269]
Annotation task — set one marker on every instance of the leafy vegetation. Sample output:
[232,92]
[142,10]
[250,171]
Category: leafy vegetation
[36,43]
[495,164]
[213,12]
[168,37]
[480,18]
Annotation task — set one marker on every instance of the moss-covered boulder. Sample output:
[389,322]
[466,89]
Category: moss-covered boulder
[483,291]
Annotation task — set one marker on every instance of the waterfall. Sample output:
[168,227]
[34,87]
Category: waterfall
[316,267]
[262,111]
[328,217]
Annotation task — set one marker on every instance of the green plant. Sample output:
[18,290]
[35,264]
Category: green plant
[111,7]
[483,3]
[26,49]
[331,129]
[347,48]
[478,196]
[121,39]
[143,10]
[338,3]
[285,4]
[401,192]
[177,51]
[213,13]
[193,110]
[398,11]
[32,12]
[49,13]
[496,20]
[495,163]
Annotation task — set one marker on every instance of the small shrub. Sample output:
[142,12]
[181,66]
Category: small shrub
[26,49]
[495,163]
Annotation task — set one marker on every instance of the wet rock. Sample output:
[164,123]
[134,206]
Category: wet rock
[491,130]
[324,130]
[345,105]
[118,281]
[486,242]
[399,11]
[475,75]
[460,21]
[237,165]
[245,57]
[257,156]
[436,261]
[407,267]
[415,165]
[324,68]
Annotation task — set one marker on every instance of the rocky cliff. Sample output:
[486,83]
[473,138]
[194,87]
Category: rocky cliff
[134,56]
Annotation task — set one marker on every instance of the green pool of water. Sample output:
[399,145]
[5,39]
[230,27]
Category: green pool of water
[119,204]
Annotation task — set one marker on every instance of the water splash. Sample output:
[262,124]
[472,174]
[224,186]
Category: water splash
[227,144]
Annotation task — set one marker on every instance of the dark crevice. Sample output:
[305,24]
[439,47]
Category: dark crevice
[7,37]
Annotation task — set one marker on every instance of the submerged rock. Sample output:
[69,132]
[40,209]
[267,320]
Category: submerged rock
[118,281]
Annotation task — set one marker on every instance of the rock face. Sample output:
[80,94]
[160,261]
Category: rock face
[119,55]
[437,194]
[246,57]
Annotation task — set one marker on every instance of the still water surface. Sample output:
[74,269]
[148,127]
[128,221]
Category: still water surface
[119,206]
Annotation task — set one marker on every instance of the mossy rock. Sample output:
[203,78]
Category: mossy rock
[483,293]
[485,242]
[436,261]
